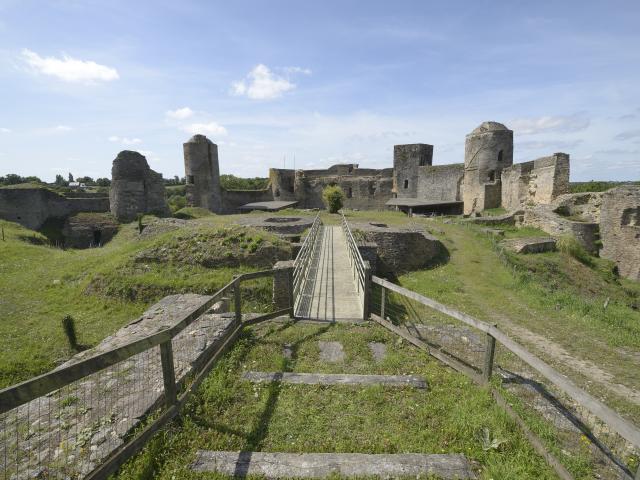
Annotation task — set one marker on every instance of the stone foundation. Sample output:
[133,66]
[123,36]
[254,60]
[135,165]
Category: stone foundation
[546,219]
[86,230]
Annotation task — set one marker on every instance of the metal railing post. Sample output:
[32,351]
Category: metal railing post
[237,300]
[489,353]
[366,309]
[290,287]
[168,373]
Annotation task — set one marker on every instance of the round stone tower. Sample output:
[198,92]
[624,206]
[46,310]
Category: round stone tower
[202,173]
[488,149]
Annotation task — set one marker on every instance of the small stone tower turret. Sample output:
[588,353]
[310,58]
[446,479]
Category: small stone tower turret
[202,173]
[488,149]
[406,161]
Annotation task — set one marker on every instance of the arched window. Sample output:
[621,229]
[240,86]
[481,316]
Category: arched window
[406,184]
[500,156]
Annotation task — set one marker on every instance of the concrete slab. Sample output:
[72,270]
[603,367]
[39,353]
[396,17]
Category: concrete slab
[331,352]
[414,381]
[378,351]
[322,465]
[270,206]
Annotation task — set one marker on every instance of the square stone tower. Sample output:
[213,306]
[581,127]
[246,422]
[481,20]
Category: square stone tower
[406,162]
[202,173]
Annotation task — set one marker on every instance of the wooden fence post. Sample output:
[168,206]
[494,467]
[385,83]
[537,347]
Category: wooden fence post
[238,300]
[366,309]
[383,296]
[489,352]
[168,374]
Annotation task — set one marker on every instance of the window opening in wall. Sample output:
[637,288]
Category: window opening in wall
[406,184]
[349,192]
[350,169]
[500,156]
[631,217]
[190,180]
[492,175]
[277,192]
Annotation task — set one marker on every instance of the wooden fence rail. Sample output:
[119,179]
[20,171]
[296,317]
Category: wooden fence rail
[22,393]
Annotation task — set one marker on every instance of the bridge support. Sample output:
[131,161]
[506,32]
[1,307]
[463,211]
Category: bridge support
[283,286]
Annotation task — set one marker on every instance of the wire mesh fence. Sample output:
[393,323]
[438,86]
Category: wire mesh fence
[571,429]
[70,422]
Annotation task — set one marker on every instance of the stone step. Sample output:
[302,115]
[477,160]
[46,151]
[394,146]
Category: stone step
[336,379]
[322,465]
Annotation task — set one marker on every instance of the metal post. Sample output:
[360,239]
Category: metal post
[366,309]
[238,300]
[168,374]
[383,296]
[489,351]
[290,287]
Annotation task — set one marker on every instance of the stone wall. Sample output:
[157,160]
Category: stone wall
[546,219]
[488,150]
[620,229]
[407,160]
[232,200]
[32,207]
[85,230]
[365,189]
[399,249]
[584,205]
[135,188]
[440,182]
[537,182]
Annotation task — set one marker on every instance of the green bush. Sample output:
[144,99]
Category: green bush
[333,197]
[569,245]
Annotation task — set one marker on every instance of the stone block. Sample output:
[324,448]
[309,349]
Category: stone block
[530,244]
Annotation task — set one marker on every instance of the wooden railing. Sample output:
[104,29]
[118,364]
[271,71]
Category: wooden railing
[360,268]
[609,417]
[16,399]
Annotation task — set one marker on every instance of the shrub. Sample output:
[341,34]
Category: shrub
[569,245]
[333,197]
[69,327]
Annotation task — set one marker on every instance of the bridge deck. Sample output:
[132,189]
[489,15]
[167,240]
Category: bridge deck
[330,291]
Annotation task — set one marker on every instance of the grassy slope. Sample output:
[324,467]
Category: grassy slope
[40,285]
[228,414]
[551,294]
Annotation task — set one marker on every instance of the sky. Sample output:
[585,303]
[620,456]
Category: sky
[313,83]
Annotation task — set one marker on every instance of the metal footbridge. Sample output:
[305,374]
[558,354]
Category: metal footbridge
[330,276]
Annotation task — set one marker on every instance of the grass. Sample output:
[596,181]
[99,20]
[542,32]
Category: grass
[103,288]
[230,414]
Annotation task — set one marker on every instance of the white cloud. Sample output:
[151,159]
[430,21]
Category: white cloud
[262,84]
[61,129]
[70,69]
[125,140]
[5,130]
[303,71]
[628,135]
[180,113]
[211,128]
[558,123]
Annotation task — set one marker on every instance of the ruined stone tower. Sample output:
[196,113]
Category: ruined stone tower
[488,149]
[406,161]
[135,188]
[202,173]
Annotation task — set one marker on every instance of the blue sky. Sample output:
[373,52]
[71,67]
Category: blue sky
[326,82]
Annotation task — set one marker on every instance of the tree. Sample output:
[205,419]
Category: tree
[103,182]
[60,181]
[70,177]
[333,197]
[85,180]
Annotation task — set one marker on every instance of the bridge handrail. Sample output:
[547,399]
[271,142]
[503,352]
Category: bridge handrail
[361,269]
[304,256]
